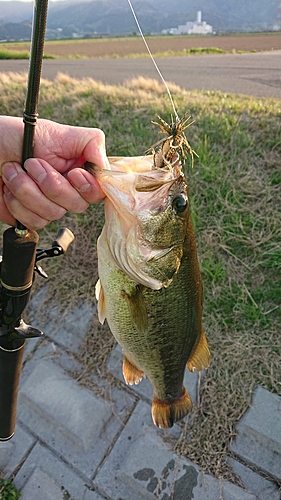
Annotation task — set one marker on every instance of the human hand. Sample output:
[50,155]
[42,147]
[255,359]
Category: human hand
[55,181]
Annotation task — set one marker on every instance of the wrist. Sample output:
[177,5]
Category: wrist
[11,138]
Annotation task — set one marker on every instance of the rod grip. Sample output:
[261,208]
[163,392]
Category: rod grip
[10,369]
[19,253]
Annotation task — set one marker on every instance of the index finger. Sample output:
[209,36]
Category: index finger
[67,147]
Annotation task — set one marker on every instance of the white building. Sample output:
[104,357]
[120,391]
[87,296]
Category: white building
[197,27]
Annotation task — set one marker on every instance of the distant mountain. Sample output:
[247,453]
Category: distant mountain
[115,17]
[108,16]
[15,31]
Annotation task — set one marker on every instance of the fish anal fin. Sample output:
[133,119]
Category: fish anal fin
[131,373]
[137,308]
[200,358]
[101,302]
[166,413]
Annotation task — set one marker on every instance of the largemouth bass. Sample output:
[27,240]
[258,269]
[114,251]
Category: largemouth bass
[150,288]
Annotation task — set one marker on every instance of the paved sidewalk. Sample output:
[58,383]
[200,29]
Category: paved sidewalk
[73,444]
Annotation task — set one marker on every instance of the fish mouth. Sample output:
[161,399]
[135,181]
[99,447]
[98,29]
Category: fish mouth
[137,192]
[134,183]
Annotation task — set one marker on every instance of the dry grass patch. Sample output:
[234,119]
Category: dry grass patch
[236,198]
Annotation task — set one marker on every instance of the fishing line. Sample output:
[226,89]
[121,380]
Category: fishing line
[153,60]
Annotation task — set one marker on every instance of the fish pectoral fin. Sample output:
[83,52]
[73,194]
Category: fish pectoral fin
[166,413]
[200,358]
[101,302]
[137,308]
[131,373]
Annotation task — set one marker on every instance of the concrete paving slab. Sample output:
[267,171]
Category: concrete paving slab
[14,451]
[47,350]
[258,438]
[142,466]
[69,327]
[55,397]
[144,388]
[41,485]
[71,419]
[44,476]
[261,487]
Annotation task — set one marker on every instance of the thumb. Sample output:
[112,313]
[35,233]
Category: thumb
[94,150]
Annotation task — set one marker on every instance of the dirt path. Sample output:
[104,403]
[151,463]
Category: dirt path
[121,47]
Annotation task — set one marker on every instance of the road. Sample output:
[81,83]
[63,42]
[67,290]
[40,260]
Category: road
[255,74]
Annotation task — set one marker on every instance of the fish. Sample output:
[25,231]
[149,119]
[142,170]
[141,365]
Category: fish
[150,288]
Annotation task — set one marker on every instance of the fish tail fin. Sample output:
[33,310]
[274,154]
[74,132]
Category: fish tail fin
[166,413]
[131,373]
[200,358]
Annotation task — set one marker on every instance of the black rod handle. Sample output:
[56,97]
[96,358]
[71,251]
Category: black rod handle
[17,269]
[10,369]
[18,260]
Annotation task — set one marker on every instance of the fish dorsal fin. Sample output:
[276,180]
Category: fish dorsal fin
[101,302]
[137,308]
[200,358]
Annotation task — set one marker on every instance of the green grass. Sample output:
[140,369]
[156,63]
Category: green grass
[24,54]
[19,54]
[8,491]
[173,53]
[235,197]
[14,54]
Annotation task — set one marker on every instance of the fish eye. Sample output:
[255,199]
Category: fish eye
[179,204]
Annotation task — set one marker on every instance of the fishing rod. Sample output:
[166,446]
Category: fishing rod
[20,253]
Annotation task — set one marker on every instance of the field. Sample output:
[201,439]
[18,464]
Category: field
[234,189]
[126,47]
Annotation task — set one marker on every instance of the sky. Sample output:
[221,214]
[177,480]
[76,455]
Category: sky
[26,0]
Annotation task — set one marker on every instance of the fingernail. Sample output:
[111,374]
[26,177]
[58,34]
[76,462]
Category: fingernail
[85,187]
[81,183]
[10,170]
[35,169]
